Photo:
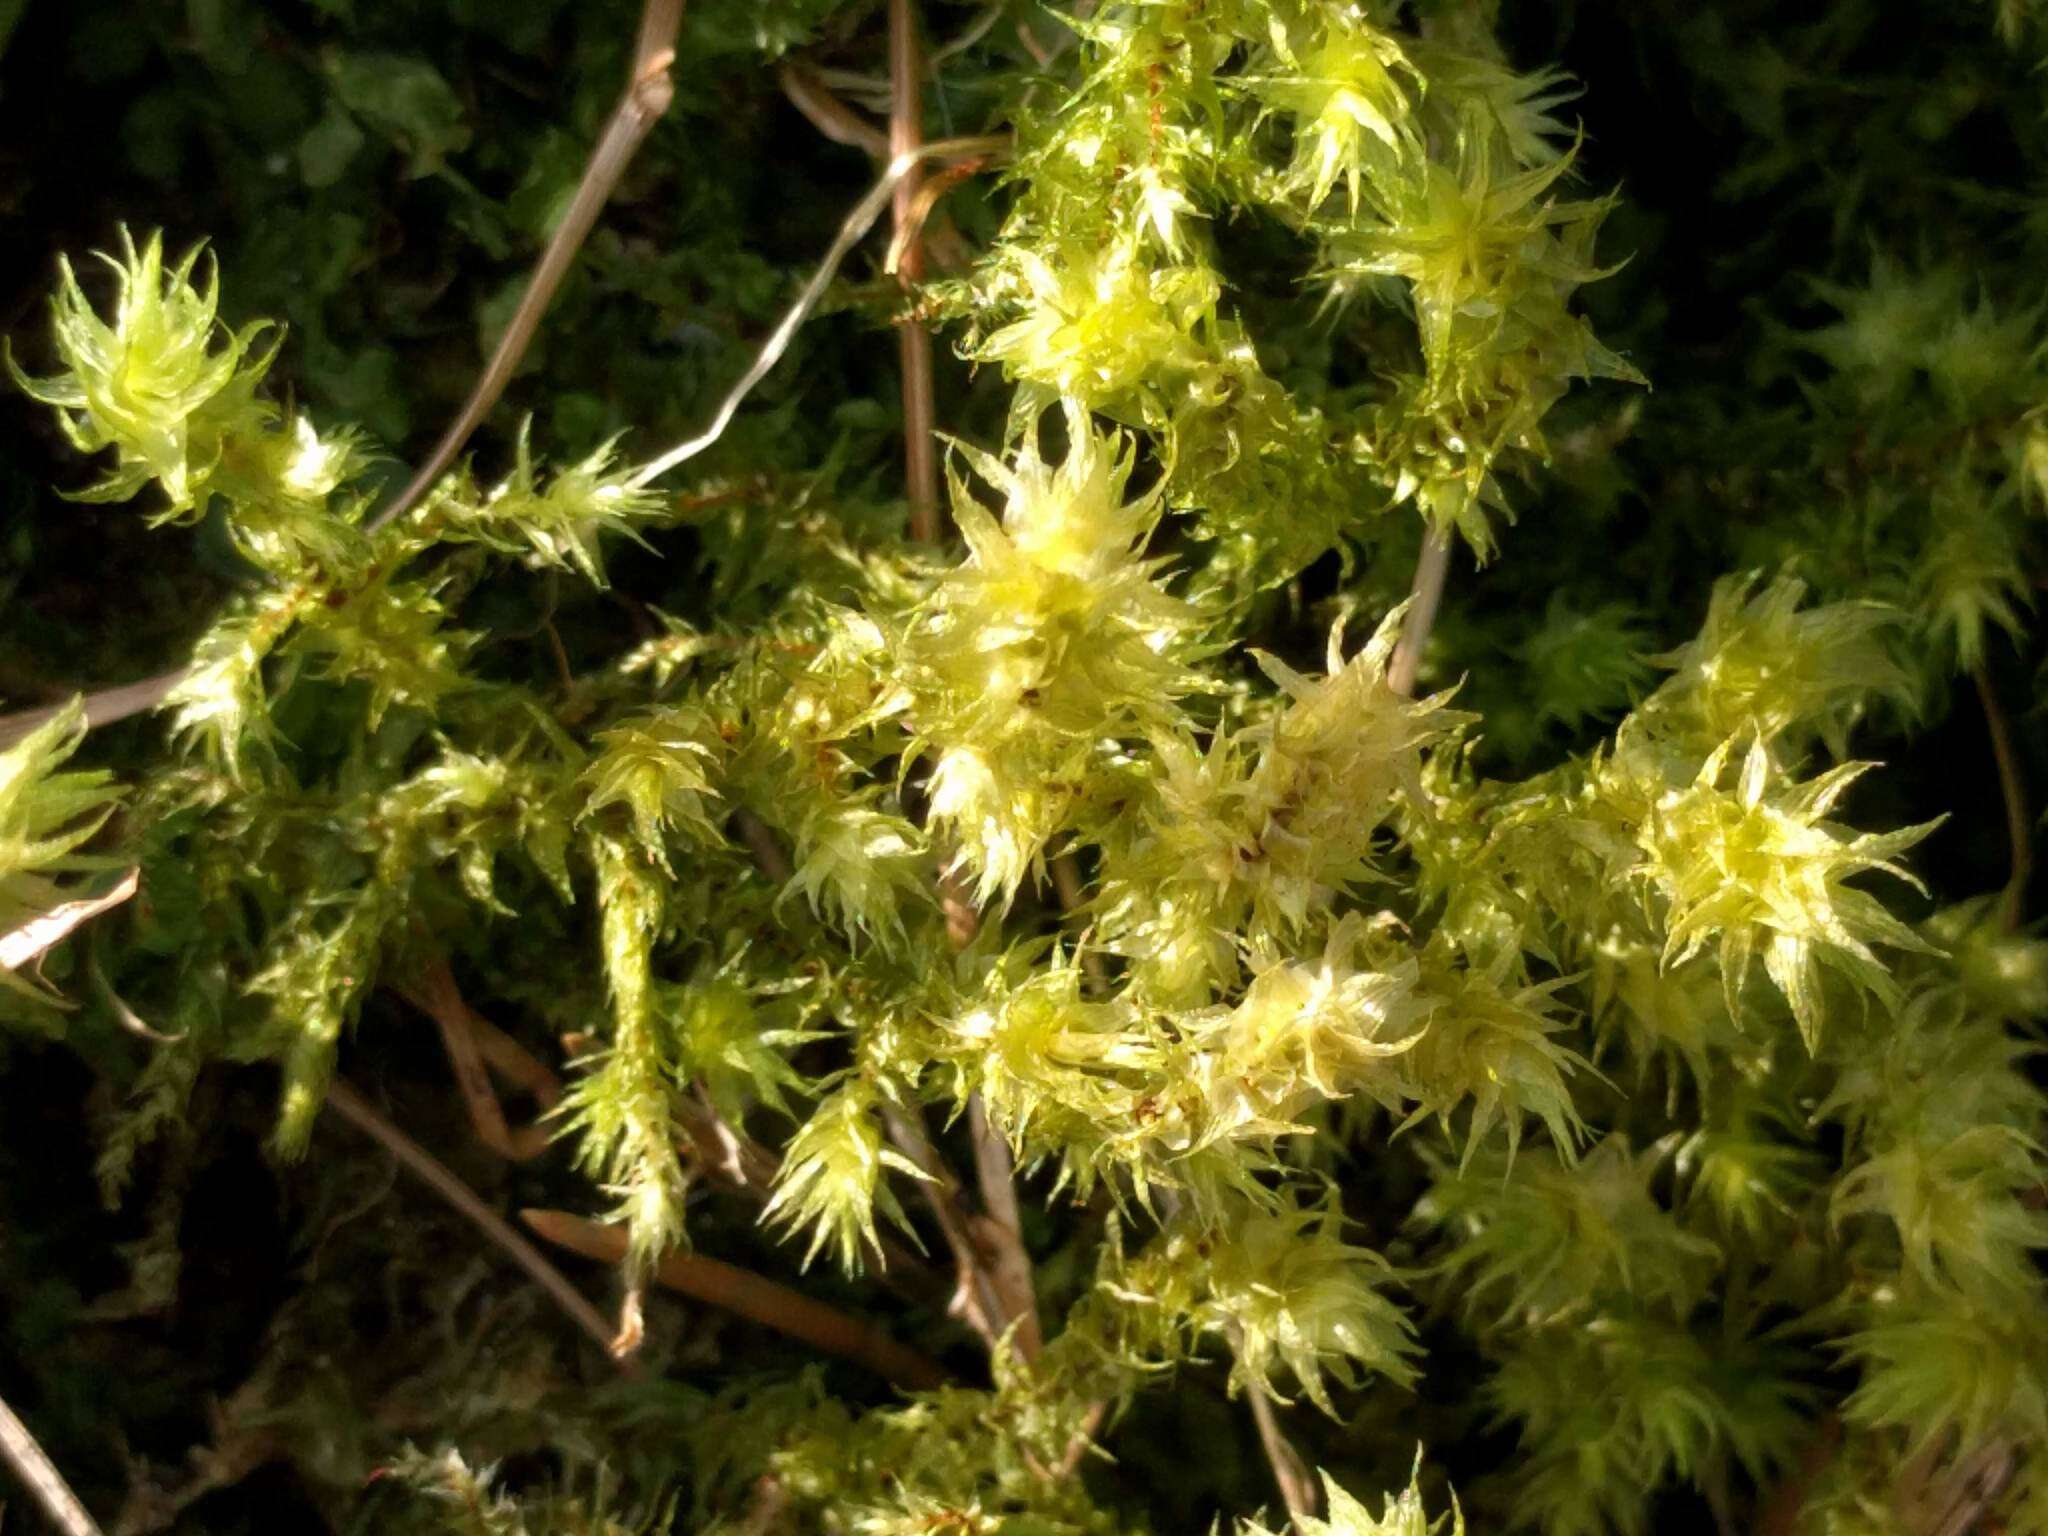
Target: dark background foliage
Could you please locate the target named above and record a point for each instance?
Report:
(379, 176)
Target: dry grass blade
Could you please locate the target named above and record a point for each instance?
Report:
(827, 113)
(1002, 1231)
(852, 230)
(40, 1476)
(34, 938)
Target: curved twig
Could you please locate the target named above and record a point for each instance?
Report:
(648, 93)
(827, 113)
(857, 223)
(40, 1476)
(976, 1300)
(111, 704)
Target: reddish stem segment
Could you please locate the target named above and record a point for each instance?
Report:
(914, 342)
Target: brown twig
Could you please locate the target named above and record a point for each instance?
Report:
(770, 857)
(649, 90)
(101, 708)
(840, 123)
(726, 1154)
(976, 1298)
(40, 1476)
(2019, 827)
(996, 1288)
(1425, 595)
(462, 1037)
(914, 342)
(431, 1171)
(1066, 884)
(754, 1297)
(1290, 1473)
(924, 226)
(1003, 1230)
(996, 1291)
(515, 1063)
(827, 113)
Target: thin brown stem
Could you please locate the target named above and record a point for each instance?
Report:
(827, 113)
(770, 857)
(754, 1297)
(995, 1270)
(351, 1106)
(101, 708)
(976, 1297)
(920, 445)
(40, 1476)
(462, 1039)
(1003, 1230)
(1290, 1473)
(914, 342)
(724, 1151)
(1066, 884)
(717, 1148)
(840, 123)
(515, 1063)
(925, 225)
(649, 90)
(2012, 784)
(1077, 1447)
(1425, 596)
